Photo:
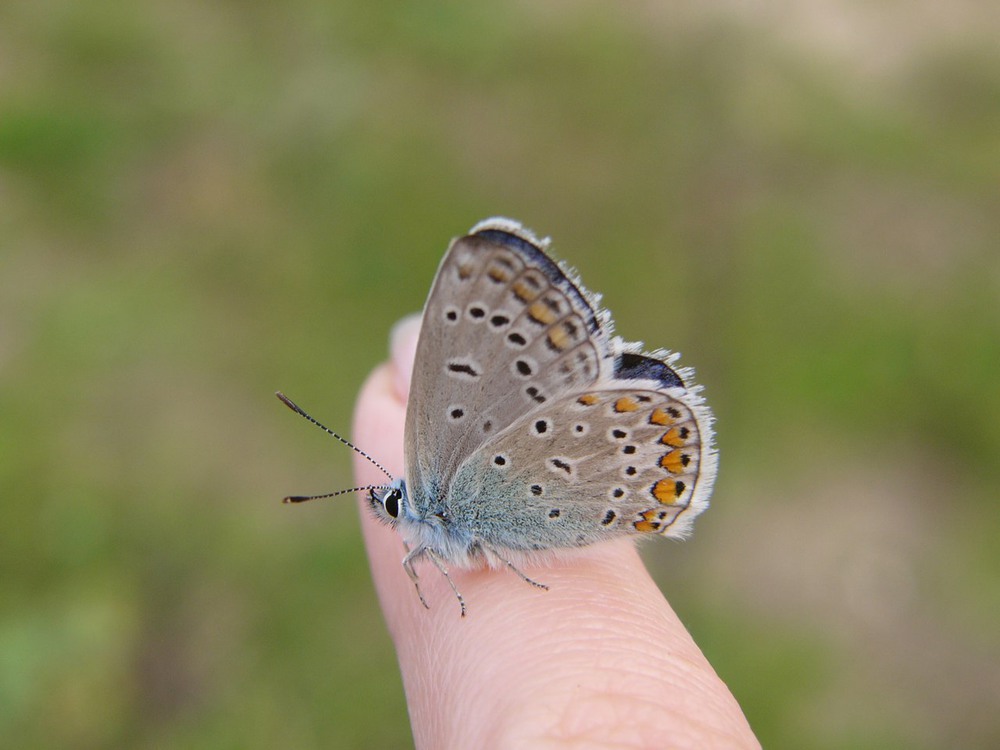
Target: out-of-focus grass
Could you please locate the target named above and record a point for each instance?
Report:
(200, 204)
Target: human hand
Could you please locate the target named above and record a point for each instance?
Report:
(598, 660)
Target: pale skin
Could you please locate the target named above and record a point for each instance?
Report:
(598, 660)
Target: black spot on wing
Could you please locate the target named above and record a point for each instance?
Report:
(462, 368)
(561, 465)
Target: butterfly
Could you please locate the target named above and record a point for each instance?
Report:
(532, 428)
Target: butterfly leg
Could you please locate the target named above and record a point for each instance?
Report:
(513, 567)
(444, 571)
(408, 567)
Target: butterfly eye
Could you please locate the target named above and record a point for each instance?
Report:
(391, 502)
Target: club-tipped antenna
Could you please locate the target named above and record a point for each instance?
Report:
(305, 498)
(298, 410)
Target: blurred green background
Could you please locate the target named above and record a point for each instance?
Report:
(200, 204)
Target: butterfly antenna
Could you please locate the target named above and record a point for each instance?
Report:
(298, 410)
(304, 498)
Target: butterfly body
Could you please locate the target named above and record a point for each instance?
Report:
(530, 427)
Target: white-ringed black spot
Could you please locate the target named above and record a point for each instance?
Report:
(609, 517)
(630, 471)
(456, 413)
(499, 321)
(524, 368)
(463, 368)
(451, 315)
(476, 312)
(536, 489)
(619, 434)
(628, 450)
(500, 460)
(554, 513)
(580, 429)
(541, 426)
(618, 493)
(517, 339)
(561, 465)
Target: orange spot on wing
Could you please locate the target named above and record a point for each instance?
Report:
(651, 522)
(498, 274)
(675, 437)
(558, 338)
(587, 399)
(522, 291)
(667, 491)
(542, 313)
(675, 461)
(660, 417)
(624, 404)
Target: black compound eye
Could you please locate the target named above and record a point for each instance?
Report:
(391, 502)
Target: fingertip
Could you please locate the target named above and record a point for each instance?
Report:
(403, 350)
(380, 412)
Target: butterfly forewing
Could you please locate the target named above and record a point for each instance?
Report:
(505, 332)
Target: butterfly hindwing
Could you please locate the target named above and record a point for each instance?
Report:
(592, 465)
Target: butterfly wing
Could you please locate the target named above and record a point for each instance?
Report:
(632, 457)
(505, 330)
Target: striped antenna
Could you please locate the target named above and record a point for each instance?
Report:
(303, 498)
